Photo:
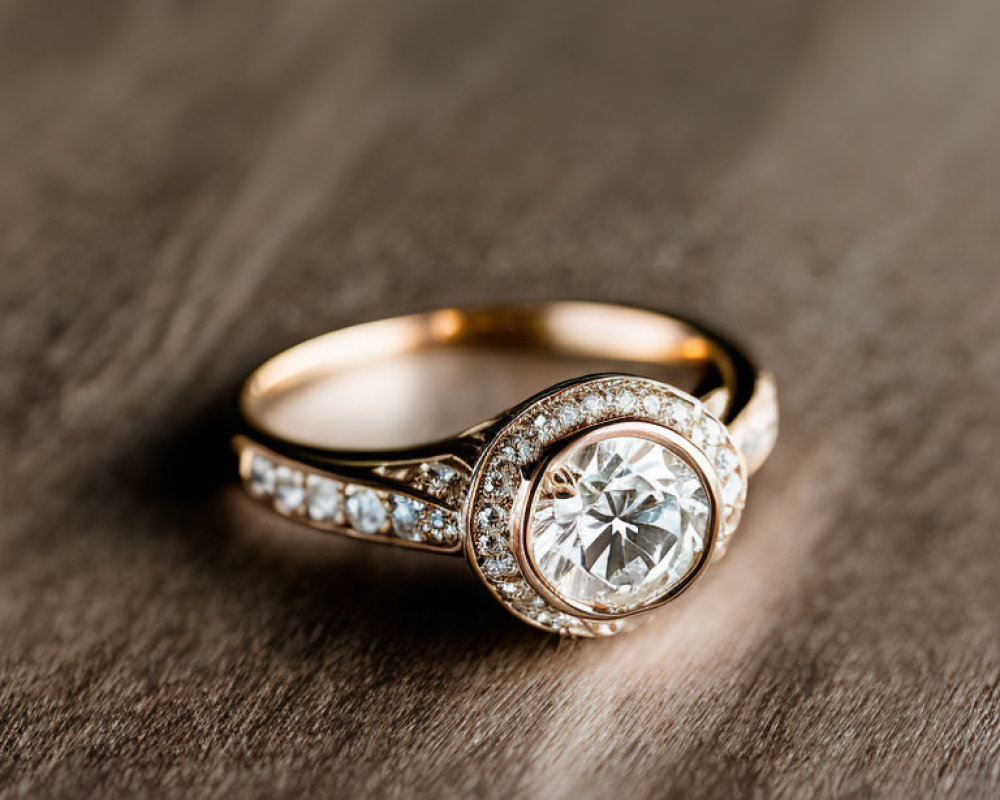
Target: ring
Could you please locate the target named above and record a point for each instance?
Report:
(599, 498)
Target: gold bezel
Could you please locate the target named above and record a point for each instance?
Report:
(525, 501)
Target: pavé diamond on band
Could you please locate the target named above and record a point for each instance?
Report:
(588, 491)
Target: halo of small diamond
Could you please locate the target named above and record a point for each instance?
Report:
(509, 460)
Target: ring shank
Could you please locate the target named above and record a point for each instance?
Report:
(437, 351)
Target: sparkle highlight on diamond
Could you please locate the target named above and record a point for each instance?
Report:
(618, 522)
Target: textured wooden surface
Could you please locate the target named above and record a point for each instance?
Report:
(187, 187)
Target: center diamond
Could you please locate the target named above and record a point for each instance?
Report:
(618, 522)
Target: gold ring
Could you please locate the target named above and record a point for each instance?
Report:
(599, 498)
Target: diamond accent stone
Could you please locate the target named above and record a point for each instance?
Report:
(261, 480)
(439, 527)
(405, 518)
(618, 522)
(289, 489)
(516, 590)
(545, 430)
(593, 404)
(491, 518)
(679, 413)
(438, 479)
(568, 414)
(707, 432)
(324, 499)
(502, 481)
(725, 461)
(365, 510)
(500, 566)
(520, 450)
(490, 544)
(625, 401)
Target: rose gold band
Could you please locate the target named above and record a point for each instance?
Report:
(283, 462)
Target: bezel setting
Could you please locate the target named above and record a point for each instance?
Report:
(523, 518)
(507, 475)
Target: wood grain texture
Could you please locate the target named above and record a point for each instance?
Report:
(187, 187)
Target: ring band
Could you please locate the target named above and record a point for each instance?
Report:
(597, 499)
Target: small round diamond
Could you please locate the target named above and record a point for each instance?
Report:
(707, 432)
(531, 605)
(365, 510)
(679, 414)
(625, 400)
(502, 481)
(544, 429)
(261, 481)
(569, 414)
(651, 404)
(725, 461)
(289, 489)
(405, 515)
(438, 527)
(543, 617)
(520, 450)
(490, 544)
(450, 532)
(594, 404)
(438, 478)
(499, 567)
(515, 590)
(491, 518)
(324, 498)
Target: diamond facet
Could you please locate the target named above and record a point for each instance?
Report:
(618, 522)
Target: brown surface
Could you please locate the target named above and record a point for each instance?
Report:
(821, 179)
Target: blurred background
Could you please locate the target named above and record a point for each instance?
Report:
(187, 188)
